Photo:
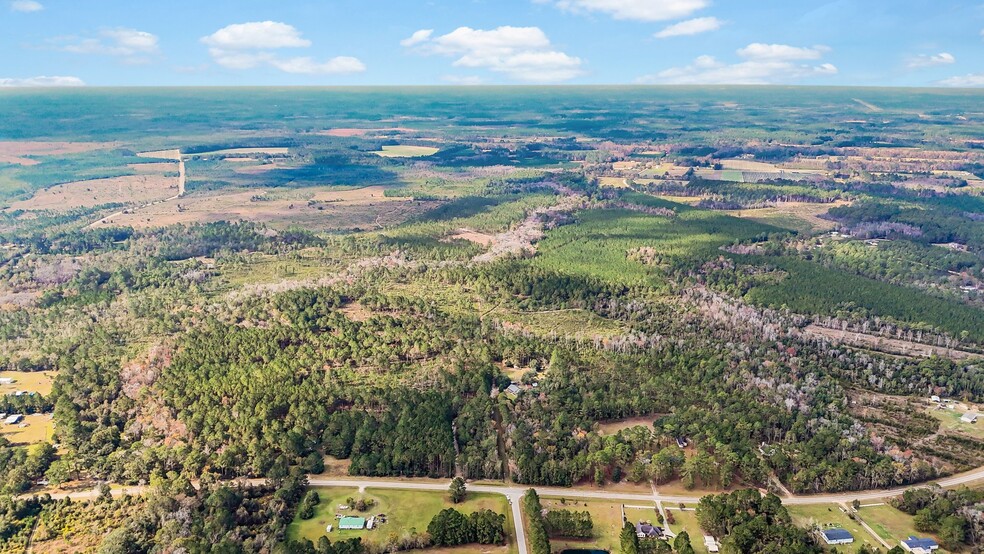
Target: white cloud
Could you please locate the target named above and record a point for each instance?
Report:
(638, 10)
(256, 35)
(690, 27)
(420, 36)
(26, 6)
(930, 60)
(763, 64)
(520, 53)
(43, 81)
(251, 45)
(781, 52)
(130, 44)
(964, 81)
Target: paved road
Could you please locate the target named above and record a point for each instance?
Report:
(515, 493)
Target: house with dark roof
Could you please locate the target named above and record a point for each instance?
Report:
(919, 546)
(648, 531)
(837, 536)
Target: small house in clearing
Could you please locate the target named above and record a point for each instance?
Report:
(13, 419)
(648, 531)
(7, 381)
(351, 523)
(711, 544)
(837, 536)
(969, 417)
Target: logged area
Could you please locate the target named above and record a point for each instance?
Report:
(266, 310)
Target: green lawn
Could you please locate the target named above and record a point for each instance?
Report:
(950, 420)
(891, 524)
(684, 520)
(406, 511)
(606, 517)
(830, 515)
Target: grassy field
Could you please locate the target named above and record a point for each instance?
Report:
(406, 151)
(30, 381)
(950, 421)
(830, 515)
(580, 324)
(891, 524)
(685, 520)
(606, 516)
(406, 511)
(32, 429)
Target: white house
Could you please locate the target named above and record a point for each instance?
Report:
(711, 544)
(969, 417)
(12, 419)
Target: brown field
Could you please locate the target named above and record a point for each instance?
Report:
(473, 236)
(612, 427)
(151, 168)
(352, 132)
(238, 152)
(173, 154)
(137, 189)
(800, 215)
(356, 311)
(315, 208)
(30, 381)
(33, 429)
(888, 345)
(13, 152)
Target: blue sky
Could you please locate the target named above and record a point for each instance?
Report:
(435, 42)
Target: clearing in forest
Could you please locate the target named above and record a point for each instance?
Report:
(28, 381)
(16, 152)
(130, 189)
(406, 151)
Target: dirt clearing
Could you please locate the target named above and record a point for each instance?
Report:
(888, 345)
(472, 236)
(134, 189)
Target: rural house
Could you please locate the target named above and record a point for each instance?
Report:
(919, 546)
(837, 536)
(969, 417)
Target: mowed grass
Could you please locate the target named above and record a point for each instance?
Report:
(827, 516)
(606, 517)
(406, 151)
(32, 429)
(30, 381)
(686, 520)
(950, 421)
(406, 511)
(891, 524)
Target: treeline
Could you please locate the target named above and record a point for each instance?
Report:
(537, 535)
(569, 524)
(746, 521)
(953, 515)
(452, 528)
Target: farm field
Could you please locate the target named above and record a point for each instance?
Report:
(950, 420)
(407, 151)
(128, 189)
(406, 512)
(30, 381)
(606, 517)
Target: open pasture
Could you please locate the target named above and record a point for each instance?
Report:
(22, 153)
(129, 189)
(32, 429)
(406, 151)
(29, 381)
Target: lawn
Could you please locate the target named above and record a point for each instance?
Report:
(406, 151)
(950, 421)
(32, 429)
(406, 511)
(891, 524)
(830, 515)
(606, 517)
(685, 520)
(30, 381)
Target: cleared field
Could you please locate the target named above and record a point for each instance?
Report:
(15, 152)
(406, 512)
(950, 421)
(406, 151)
(33, 429)
(606, 517)
(612, 427)
(888, 345)
(686, 520)
(825, 516)
(473, 236)
(580, 324)
(799, 216)
(136, 189)
(891, 524)
(270, 151)
(29, 381)
(315, 208)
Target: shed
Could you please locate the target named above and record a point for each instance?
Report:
(351, 523)
(837, 536)
(711, 544)
(969, 417)
(12, 419)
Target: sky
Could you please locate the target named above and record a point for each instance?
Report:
(493, 42)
